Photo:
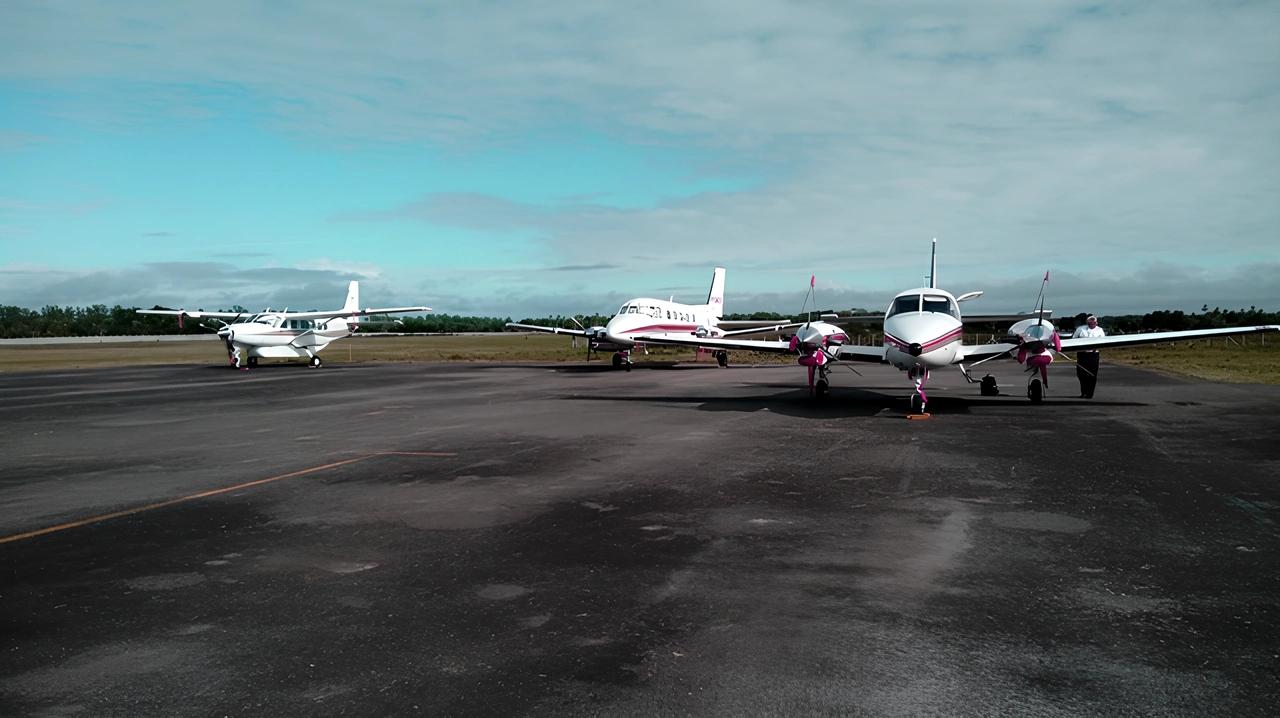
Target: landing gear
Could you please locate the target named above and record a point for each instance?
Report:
(988, 386)
(233, 355)
(253, 362)
(622, 360)
(722, 358)
(919, 400)
(917, 404)
(1035, 391)
(315, 362)
(821, 389)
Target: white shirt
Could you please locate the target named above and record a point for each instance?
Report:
(1084, 332)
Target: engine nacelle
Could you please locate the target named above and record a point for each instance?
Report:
(1034, 335)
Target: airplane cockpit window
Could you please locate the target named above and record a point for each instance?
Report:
(623, 310)
(908, 303)
(941, 305)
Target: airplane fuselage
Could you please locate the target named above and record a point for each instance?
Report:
(275, 336)
(643, 316)
(923, 330)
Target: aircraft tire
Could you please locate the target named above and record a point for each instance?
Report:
(617, 361)
(253, 362)
(821, 389)
(917, 404)
(722, 358)
(315, 362)
(988, 387)
(1035, 391)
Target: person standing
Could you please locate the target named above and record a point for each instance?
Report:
(1087, 361)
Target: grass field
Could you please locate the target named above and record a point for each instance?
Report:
(1249, 362)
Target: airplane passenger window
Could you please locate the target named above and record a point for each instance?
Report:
(910, 303)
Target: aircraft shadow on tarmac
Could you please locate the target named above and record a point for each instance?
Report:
(845, 403)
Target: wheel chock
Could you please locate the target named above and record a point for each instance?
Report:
(919, 417)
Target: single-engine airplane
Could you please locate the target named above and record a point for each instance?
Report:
(285, 334)
(923, 331)
(656, 318)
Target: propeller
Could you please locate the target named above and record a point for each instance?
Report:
(588, 334)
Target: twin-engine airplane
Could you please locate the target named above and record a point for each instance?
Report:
(286, 334)
(657, 318)
(923, 331)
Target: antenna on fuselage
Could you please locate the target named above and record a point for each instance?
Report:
(933, 265)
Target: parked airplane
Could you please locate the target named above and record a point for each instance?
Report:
(286, 334)
(656, 318)
(923, 330)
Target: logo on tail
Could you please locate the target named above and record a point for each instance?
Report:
(715, 298)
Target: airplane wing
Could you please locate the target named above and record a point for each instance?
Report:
(195, 314)
(765, 329)
(776, 346)
(1128, 340)
(853, 352)
(357, 313)
(547, 330)
(978, 352)
(967, 318)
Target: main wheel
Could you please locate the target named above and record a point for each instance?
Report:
(722, 358)
(253, 362)
(315, 362)
(1035, 391)
(988, 387)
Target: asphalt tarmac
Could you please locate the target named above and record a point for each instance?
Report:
(453, 539)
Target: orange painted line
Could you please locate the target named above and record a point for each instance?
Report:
(211, 492)
(179, 500)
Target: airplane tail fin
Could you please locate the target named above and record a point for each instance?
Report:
(933, 265)
(353, 298)
(352, 305)
(715, 298)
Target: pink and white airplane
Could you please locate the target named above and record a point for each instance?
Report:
(657, 318)
(286, 334)
(923, 331)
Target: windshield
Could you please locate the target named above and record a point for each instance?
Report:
(942, 305)
(907, 303)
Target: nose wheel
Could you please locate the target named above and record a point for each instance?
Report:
(919, 400)
(622, 360)
(1035, 391)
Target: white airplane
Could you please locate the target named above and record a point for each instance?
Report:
(923, 331)
(655, 318)
(286, 334)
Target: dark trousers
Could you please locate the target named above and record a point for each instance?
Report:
(1087, 372)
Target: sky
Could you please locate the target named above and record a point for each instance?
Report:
(527, 159)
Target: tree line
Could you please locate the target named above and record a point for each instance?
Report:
(100, 320)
